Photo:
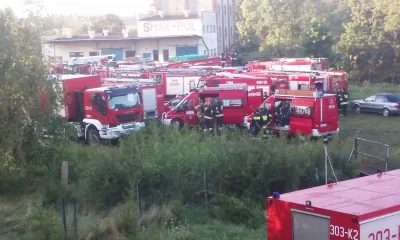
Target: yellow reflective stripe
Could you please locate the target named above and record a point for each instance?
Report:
(256, 118)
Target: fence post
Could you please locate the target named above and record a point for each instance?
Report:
(138, 200)
(355, 148)
(64, 181)
(205, 188)
(387, 157)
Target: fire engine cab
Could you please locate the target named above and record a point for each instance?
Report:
(365, 208)
(304, 112)
(237, 102)
(100, 112)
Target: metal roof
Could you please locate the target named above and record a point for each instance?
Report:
(366, 197)
(86, 38)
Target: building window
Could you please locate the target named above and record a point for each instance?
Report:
(215, 52)
(214, 28)
(146, 56)
(225, 10)
(208, 28)
(230, 9)
(76, 54)
(205, 52)
(130, 53)
(155, 55)
(219, 10)
(226, 32)
(231, 31)
(92, 54)
(165, 54)
(204, 28)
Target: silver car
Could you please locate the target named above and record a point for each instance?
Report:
(383, 103)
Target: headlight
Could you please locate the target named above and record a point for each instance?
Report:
(115, 133)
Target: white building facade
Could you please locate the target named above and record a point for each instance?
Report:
(225, 12)
(160, 37)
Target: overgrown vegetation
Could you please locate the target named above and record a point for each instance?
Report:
(360, 36)
(189, 186)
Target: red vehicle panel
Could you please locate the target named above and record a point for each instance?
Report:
(366, 208)
(237, 100)
(310, 113)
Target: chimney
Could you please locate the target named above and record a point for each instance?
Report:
(161, 14)
(92, 33)
(186, 12)
(126, 33)
(105, 32)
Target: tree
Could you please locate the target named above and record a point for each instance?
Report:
(109, 22)
(23, 77)
(316, 40)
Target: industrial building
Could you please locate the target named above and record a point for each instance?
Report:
(173, 28)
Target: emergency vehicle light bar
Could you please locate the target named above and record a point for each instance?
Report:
(227, 87)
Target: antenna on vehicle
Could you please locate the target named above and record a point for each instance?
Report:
(327, 159)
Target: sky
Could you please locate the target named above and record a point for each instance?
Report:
(83, 7)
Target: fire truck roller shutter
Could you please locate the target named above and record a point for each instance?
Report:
(310, 226)
(187, 50)
(150, 102)
(118, 52)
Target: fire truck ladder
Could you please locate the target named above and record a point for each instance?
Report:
(236, 75)
(242, 86)
(299, 59)
(138, 82)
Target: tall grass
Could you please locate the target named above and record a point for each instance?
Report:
(225, 177)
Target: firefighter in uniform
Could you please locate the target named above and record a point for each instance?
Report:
(219, 114)
(266, 117)
(200, 114)
(208, 116)
(256, 122)
(345, 102)
(338, 102)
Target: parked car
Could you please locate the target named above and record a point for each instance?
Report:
(383, 103)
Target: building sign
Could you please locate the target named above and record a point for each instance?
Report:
(169, 28)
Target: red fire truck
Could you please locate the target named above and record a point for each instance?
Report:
(365, 208)
(291, 64)
(152, 95)
(172, 81)
(328, 81)
(310, 113)
(173, 102)
(237, 102)
(100, 112)
(267, 86)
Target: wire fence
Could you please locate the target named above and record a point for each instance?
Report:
(371, 155)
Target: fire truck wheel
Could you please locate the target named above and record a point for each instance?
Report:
(357, 109)
(176, 123)
(386, 112)
(93, 136)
